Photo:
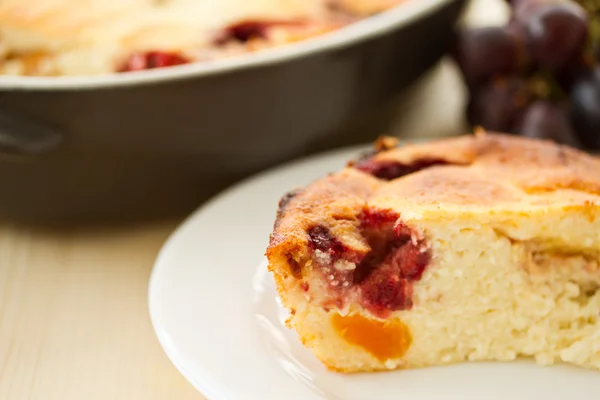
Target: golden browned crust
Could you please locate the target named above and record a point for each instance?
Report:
(488, 170)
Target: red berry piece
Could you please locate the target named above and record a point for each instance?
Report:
(151, 60)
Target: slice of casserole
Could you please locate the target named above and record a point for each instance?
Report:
(481, 247)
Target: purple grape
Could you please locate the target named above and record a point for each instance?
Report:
(556, 33)
(498, 105)
(482, 53)
(547, 120)
(585, 109)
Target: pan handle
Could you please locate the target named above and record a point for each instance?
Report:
(23, 137)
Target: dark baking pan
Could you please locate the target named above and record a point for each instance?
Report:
(159, 142)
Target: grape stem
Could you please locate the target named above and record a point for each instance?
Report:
(543, 85)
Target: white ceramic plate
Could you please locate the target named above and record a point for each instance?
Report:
(216, 314)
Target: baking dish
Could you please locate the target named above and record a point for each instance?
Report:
(156, 143)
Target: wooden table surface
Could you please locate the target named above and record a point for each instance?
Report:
(74, 321)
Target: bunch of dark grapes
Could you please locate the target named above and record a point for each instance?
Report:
(538, 75)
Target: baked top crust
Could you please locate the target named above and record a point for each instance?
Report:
(70, 37)
(487, 174)
(489, 170)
